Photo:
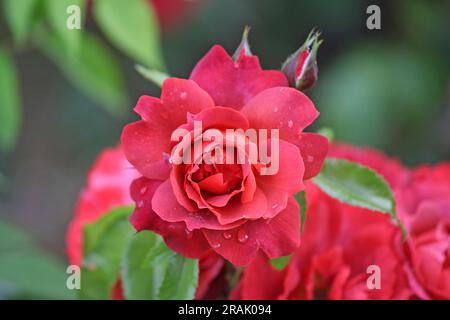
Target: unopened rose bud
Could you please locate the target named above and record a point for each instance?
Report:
(244, 48)
(301, 67)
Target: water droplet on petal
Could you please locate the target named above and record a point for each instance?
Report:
(227, 235)
(143, 190)
(280, 124)
(242, 236)
(275, 205)
(216, 245)
(310, 158)
(140, 203)
(290, 123)
(183, 95)
(275, 109)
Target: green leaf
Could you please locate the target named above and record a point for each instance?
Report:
(58, 16)
(19, 16)
(104, 244)
(94, 71)
(301, 200)
(280, 263)
(26, 271)
(150, 270)
(131, 26)
(356, 185)
(10, 113)
(154, 76)
(181, 279)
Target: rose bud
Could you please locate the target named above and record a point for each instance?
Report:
(244, 47)
(301, 67)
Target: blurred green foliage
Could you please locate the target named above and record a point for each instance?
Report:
(26, 271)
(9, 102)
(82, 57)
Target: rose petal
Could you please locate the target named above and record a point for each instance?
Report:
(281, 108)
(233, 84)
(236, 210)
(219, 118)
(257, 289)
(178, 183)
(144, 148)
(313, 148)
(146, 142)
(166, 206)
(178, 97)
(211, 264)
(214, 184)
(288, 179)
(226, 243)
(279, 236)
(191, 244)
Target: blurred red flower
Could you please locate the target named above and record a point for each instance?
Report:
(107, 187)
(232, 208)
(338, 245)
(424, 205)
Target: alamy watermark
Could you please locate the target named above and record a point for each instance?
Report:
(373, 21)
(374, 280)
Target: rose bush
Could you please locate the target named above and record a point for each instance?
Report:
(231, 208)
(107, 187)
(338, 244)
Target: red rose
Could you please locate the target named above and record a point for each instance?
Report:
(108, 185)
(232, 208)
(339, 244)
(424, 205)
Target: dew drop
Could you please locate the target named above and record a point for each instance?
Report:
(310, 159)
(140, 203)
(242, 236)
(275, 109)
(183, 95)
(227, 235)
(290, 123)
(216, 245)
(280, 124)
(143, 190)
(275, 205)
